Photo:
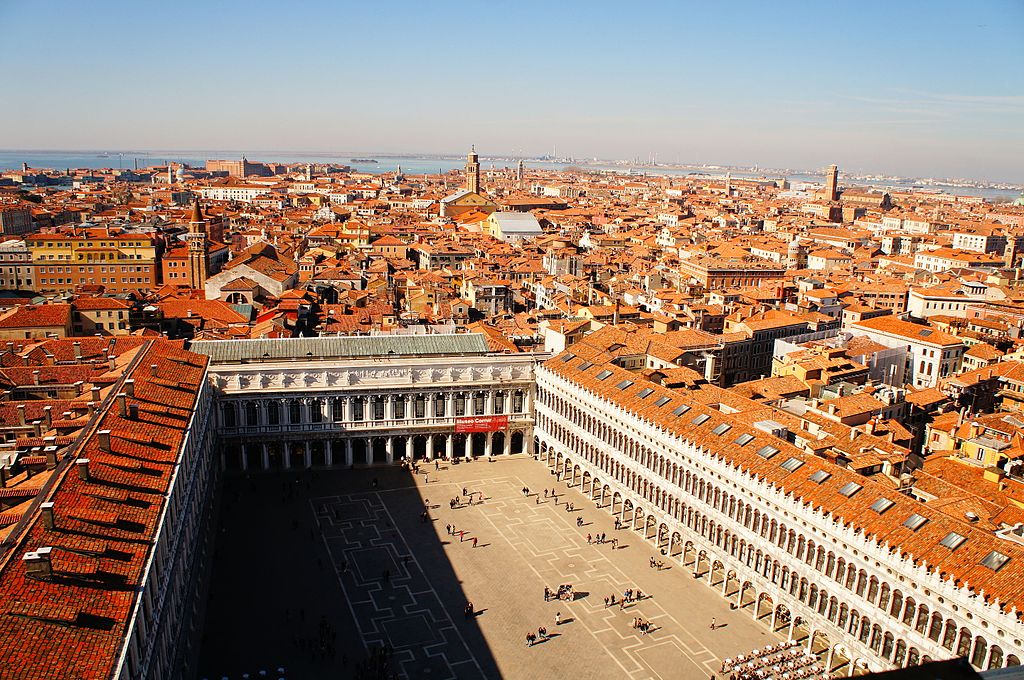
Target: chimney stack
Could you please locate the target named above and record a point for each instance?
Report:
(104, 440)
(37, 563)
(92, 407)
(21, 414)
(79, 386)
(35, 377)
(95, 391)
(37, 427)
(51, 457)
(112, 361)
(48, 519)
(76, 346)
(48, 416)
(154, 370)
(129, 387)
(4, 475)
(122, 405)
(83, 469)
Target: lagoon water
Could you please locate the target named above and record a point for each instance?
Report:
(411, 165)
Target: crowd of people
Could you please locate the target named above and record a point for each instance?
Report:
(784, 661)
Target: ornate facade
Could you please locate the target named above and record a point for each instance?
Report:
(369, 400)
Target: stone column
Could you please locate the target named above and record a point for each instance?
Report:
(308, 454)
(265, 452)
(389, 408)
(408, 446)
(369, 450)
(489, 403)
(245, 459)
(348, 452)
(329, 451)
(449, 406)
(287, 455)
(507, 444)
(389, 444)
(449, 445)
(430, 447)
(489, 446)
(469, 445)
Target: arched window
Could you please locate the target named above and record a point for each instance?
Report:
(294, 412)
(252, 414)
(273, 413)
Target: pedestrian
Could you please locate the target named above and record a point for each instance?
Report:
(474, 541)
(713, 623)
(613, 599)
(547, 594)
(426, 478)
(540, 632)
(529, 639)
(437, 466)
(448, 529)
(639, 595)
(558, 618)
(527, 491)
(606, 602)
(462, 536)
(464, 492)
(588, 539)
(545, 493)
(622, 604)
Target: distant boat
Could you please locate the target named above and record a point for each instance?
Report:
(103, 155)
(361, 160)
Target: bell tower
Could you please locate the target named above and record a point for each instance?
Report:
(197, 248)
(473, 171)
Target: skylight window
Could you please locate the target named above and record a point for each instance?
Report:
(915, 522)
(662, 401)
(850, 488)
(820, 477)
(744, 439)
(624, 384)
(680, 410)
(700, 419)
(953, 540)
(995, 560)
(568, 357)
(585, 365)
(882, 504)
(791, 464)
(603, 375)
(767, 451)
(645, 392)
(722, 429)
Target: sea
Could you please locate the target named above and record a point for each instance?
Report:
(419, 165)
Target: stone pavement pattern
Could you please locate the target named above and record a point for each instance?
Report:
(524, 543)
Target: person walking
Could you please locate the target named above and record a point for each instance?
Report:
(547, 594)
(474, 541)
(437, 465)
(558, 618)
(606, 602)
(448, 528)
(713, 624)
(588, 539)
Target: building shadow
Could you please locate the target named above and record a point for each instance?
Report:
(323, 574)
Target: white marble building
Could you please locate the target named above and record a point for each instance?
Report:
(339, 401)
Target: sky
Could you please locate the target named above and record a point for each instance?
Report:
(926, 89)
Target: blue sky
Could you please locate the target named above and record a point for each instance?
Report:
(920, 88)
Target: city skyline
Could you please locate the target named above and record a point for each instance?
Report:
(923, 94)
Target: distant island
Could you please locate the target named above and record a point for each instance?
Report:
(361, 160)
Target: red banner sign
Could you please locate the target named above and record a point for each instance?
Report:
(481, 424)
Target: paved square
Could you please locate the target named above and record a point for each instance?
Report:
(378, 574)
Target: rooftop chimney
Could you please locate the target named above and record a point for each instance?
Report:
(4, 475)
(154, 370)
(122, 404)
(95, 391)
(51, 457)
(113, 361)
(21, 414)
(35, 377)
(79, 386)
(104, 440)
(48, 416)
(129, 387)
(76, 347)
(82, 464)
(37, 563)
(48, 519)
(37, 427)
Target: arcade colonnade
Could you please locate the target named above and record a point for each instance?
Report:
(856, 607)
(285, 431)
